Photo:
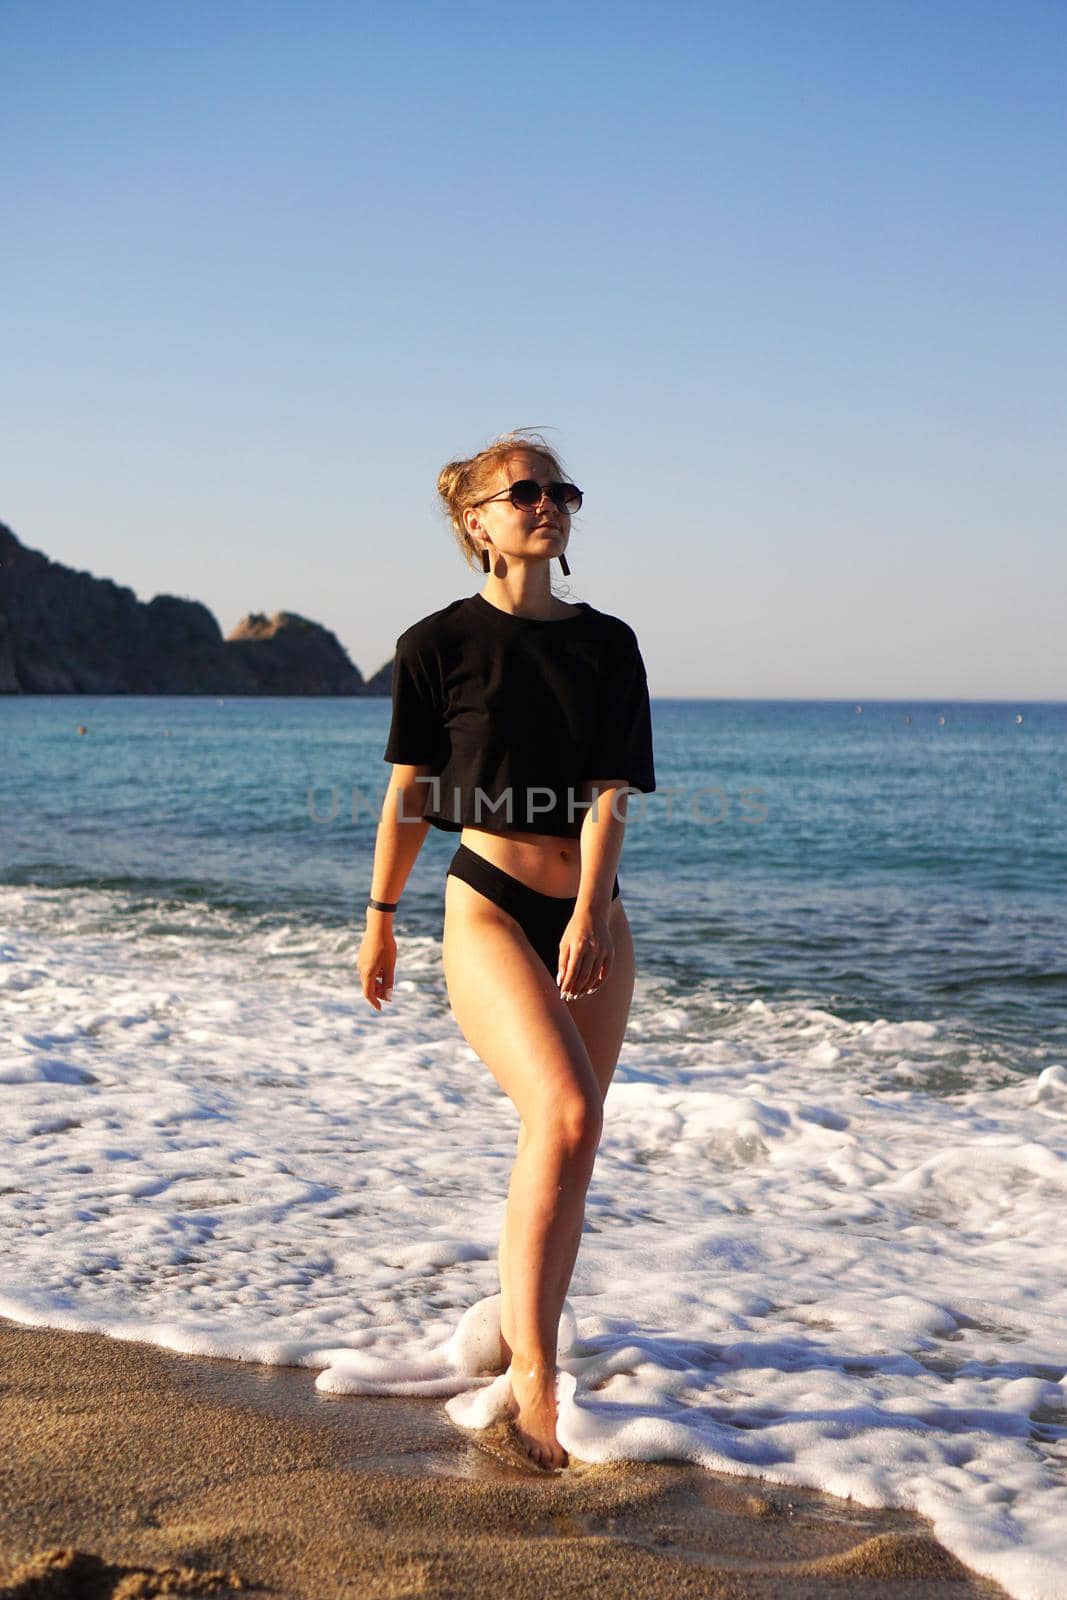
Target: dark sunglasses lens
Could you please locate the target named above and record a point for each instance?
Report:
(525, 494)
(567, 496)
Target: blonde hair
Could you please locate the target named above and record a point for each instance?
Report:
(461, 483)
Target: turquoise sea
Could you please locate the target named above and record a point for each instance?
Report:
(903, 859)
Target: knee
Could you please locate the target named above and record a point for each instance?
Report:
(575, 1125)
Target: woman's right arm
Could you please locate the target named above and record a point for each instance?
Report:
(401, 830)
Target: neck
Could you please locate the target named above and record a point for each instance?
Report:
(523, 589)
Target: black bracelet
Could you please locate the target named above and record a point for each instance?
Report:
(382, 905)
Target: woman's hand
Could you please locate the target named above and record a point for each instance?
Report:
(586, 951)
(376, 962)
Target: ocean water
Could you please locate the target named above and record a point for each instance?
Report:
(821, 1234)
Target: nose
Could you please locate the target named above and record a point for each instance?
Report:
(546, 502)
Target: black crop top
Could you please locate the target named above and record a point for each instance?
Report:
(513, 713)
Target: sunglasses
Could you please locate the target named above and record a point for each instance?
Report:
(526, 495)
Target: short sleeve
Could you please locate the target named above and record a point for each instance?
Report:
(621, 743)
(417, 734)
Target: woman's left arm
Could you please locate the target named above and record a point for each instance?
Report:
(586, 948)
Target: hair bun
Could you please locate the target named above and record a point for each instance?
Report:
(448, 478)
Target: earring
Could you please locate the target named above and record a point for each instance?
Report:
(563, 564)
(487, 565)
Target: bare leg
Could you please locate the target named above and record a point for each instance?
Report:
(507, 1326)
(546, 1203)
(568, 1257)
(528, 1037)
(601, 1018)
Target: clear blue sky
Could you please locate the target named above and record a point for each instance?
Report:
(786, 277)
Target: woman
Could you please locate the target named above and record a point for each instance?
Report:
(513, 712)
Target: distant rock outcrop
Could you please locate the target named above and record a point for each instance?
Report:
(286, 649)
(382, 681)
(66, 632)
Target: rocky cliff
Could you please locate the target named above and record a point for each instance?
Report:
(66, 632)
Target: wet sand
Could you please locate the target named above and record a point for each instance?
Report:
(128, 1471)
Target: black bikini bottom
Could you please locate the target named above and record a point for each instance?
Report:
(542, 917)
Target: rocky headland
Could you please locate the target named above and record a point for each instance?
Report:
(66, 632)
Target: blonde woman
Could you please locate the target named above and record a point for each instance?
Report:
(520, 721)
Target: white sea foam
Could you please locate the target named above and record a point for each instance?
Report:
(799, 1262)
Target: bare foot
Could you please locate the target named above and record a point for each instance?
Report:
(533, 1385)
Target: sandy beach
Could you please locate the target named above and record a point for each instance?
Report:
(130, 1471)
